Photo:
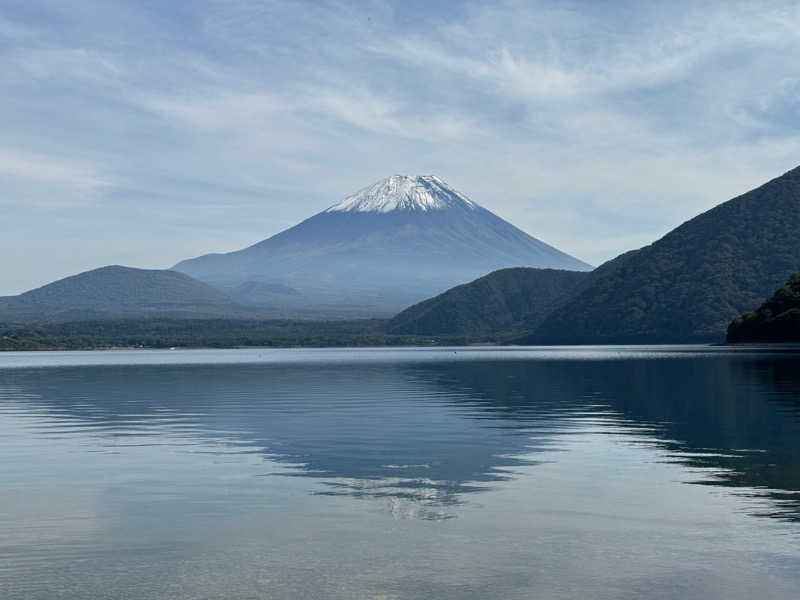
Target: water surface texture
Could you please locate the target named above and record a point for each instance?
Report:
(665, 472)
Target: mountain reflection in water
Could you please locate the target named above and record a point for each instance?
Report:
(427, 435)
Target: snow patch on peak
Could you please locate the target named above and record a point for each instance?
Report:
(405, 193)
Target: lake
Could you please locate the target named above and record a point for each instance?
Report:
(594, 472)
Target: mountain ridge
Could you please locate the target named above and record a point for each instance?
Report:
(500, 304)
(689, 284)
(505, 305)
(684, 287)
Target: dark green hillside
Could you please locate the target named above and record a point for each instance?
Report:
(205, 333)
(688, 285)
(777, 320)
(117, 290)
(502, 302)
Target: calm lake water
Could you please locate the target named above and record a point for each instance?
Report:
(666, 472)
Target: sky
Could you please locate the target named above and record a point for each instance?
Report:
(143, 133)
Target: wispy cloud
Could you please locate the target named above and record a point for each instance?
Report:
(371, 112)
(219, 112)
(72, 175)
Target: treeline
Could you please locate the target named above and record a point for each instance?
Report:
(208, 333)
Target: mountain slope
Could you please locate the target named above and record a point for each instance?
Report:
(498, 305)
(688, 285)
(777, 320)
(116, 291)
(506, 301)
(394, 243)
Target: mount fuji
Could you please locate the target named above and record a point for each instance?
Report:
(394, 243)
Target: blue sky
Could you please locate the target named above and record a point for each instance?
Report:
(143, 133)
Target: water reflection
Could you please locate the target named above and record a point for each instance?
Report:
(424, 436)
(734, 420)
(372, 431)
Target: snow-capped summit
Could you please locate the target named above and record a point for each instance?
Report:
(405, 193)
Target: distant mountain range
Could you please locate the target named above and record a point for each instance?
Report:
(685, 287)
(117, 291)
(389, 245)
(391, 242)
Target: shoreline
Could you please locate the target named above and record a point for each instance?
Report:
(789, 347)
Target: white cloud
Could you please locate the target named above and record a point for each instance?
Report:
(218, 112)
(78, 176)
(374, 113)
(546, 55)
(29, 65)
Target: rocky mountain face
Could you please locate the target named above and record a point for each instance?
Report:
(392, 244)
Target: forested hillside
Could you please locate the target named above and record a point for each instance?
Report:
(777, 320)
(688, 285)
(509, 301)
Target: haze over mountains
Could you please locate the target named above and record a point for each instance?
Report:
(394, 243)
(117, 291)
